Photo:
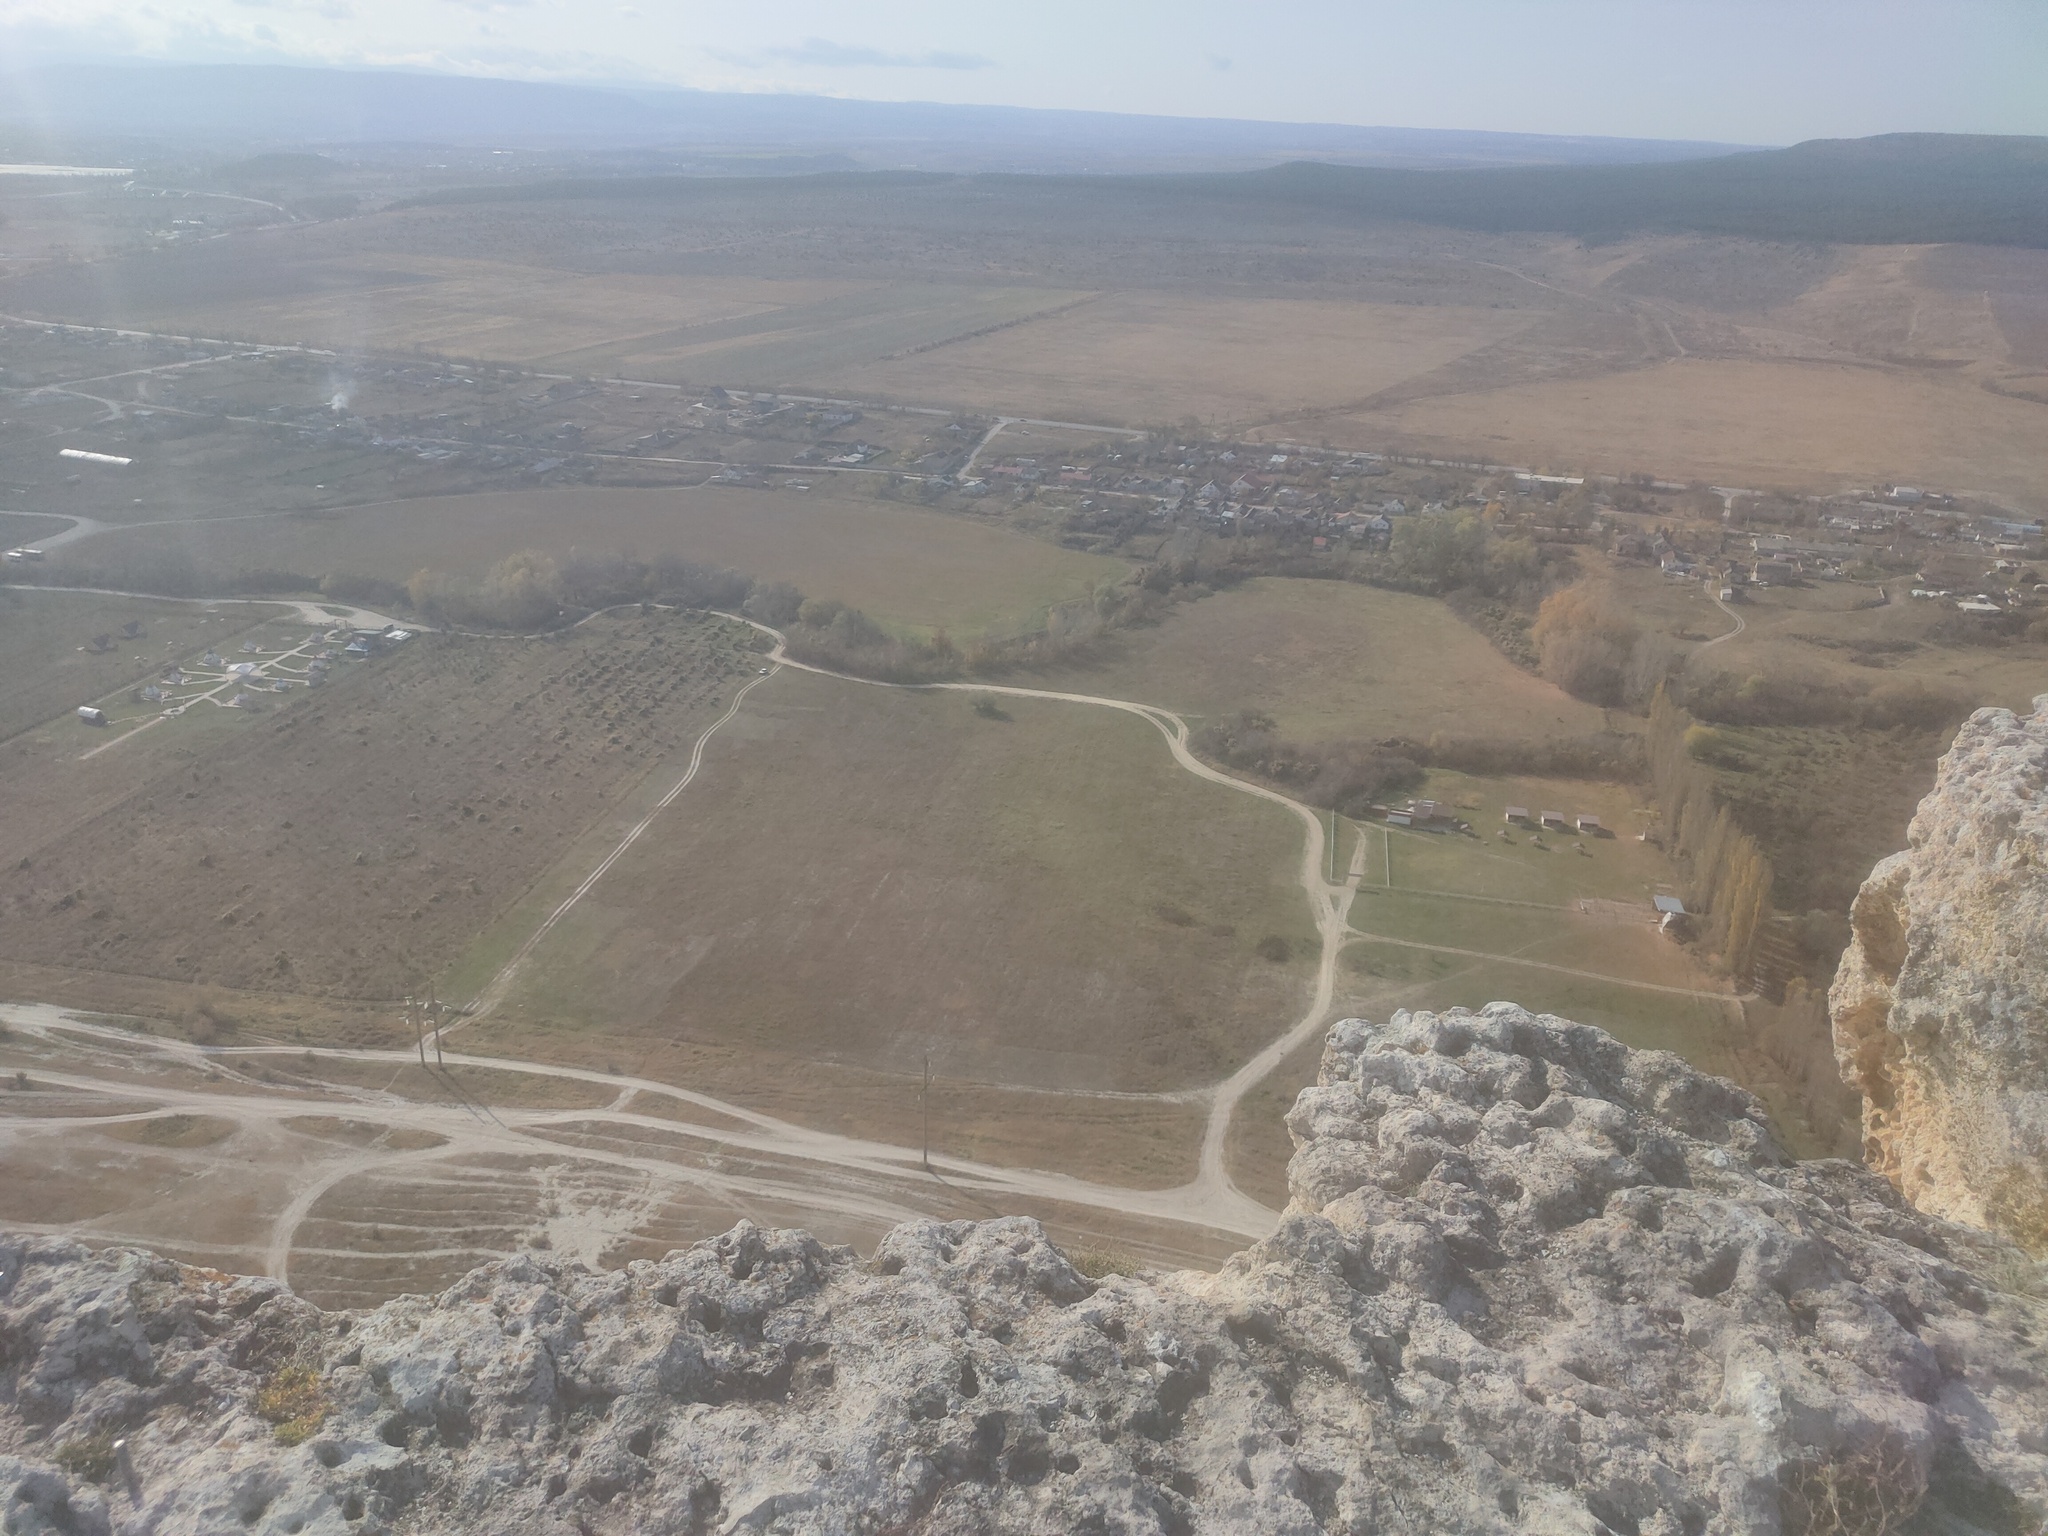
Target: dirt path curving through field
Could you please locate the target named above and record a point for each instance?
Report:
(1211, 1198)
(1740, 622)
(501, 984)
(785, 1163)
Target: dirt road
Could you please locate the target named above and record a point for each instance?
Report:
(780, 1166)
(787, 1166)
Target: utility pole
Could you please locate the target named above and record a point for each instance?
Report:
(1333, 845)
(412, 1017)
(924, 1110)
(434, 1013)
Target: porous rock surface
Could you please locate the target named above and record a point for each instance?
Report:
(1531, 1280)
(1940, 1006)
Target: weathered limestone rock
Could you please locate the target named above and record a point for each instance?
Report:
(1941, 1005)
(1531, 1281)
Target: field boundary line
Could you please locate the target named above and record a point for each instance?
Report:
(495, 991)
(1547, 965)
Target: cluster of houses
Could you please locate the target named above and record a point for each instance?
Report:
(1956, 554)
(1229, 491)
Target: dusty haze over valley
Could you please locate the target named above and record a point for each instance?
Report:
(1269, 759)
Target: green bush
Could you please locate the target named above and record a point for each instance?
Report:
(90, 1457)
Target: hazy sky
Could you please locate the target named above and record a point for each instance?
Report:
(1748, 71)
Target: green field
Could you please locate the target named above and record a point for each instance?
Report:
(1470, 920)
(909, 568)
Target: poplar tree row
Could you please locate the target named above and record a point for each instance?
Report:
(1727, 876)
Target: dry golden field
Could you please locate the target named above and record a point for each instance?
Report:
(1139, 357)
(1729, 360)
(1766, 424)
(1328, 661)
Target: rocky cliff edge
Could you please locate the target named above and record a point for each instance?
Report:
(1531, 1280)
(1941, 1003)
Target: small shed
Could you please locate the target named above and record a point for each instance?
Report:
(1553, 819)
(1589, 825)
(92, 716)
(1516, 813)
(1668, 906)
(1400, 819)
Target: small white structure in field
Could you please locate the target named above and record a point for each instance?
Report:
(94, 458)
(1588, 824)
(92, 716)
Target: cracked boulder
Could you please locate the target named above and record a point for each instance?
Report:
(1941, 1003)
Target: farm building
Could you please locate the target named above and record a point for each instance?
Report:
(1517, 813)
(1554, 819)
(92, 716)
(1588, 824)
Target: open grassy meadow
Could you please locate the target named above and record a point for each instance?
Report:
(1149, 356)
(1449, 921)
(1794, 424)
(864, 875)
(907, 567)
(1329, 661)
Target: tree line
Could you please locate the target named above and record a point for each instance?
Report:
(1727, 875)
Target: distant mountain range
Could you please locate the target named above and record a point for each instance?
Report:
(1899, 189)
(252, 107)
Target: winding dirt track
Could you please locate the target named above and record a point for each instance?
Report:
(1210, 1199)
(785, 1162)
